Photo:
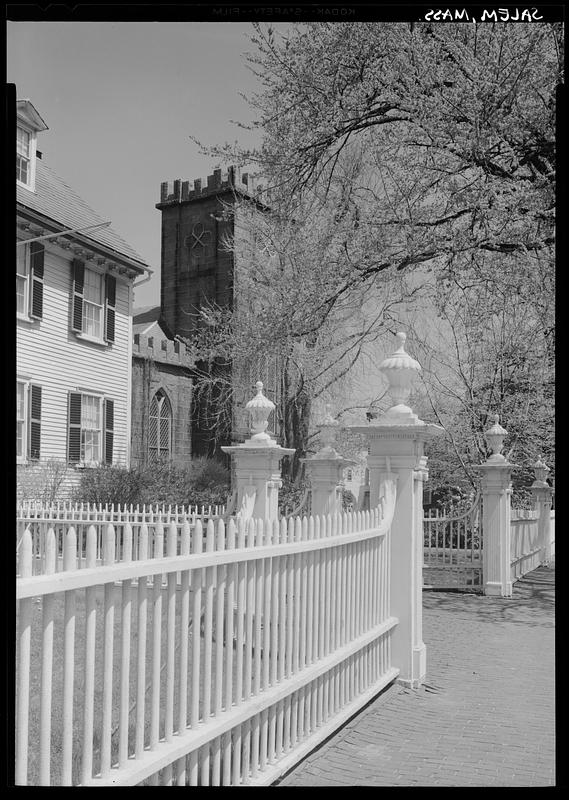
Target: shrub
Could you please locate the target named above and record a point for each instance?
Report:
(203, 482)
(42, 481)
(290, 497)
(108, 484)
(348, 501)
(207, 473)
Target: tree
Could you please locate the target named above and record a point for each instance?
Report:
(397, 156)
(277, 319)
(490, 351)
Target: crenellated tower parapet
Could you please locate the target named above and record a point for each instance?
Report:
(232, 180)
(164, 351)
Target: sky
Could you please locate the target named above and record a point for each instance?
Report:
(121, 99)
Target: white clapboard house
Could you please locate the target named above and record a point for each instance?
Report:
(74, 298)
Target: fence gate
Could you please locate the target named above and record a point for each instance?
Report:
(452, 547)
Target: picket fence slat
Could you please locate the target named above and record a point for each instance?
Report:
(69, 561)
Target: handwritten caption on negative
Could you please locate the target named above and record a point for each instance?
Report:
(486, 15)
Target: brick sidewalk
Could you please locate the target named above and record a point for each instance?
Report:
(486, 714)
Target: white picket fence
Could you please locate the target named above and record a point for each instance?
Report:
(221, 661)
(525, 547)
(109, 512)
(40, 518)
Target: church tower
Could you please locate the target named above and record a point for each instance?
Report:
(196, 263)
(199, 266)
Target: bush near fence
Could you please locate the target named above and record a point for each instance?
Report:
(204, 481)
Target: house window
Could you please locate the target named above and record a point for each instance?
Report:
(90, 438)
(29, 279)
(28, 421)
(90, 429)
(22, 276)
(349, 475)
(93, 304)
(160, 428)
(23, 157)
(20, 420)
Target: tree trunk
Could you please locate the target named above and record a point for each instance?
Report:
(297, 406)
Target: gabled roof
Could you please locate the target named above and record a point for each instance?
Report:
(56, 201)
(147, 321)
(29, 113)
(143, 319)
(150, 329)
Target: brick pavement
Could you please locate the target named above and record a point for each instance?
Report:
(486, 714)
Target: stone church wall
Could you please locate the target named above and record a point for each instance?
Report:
(161, 364)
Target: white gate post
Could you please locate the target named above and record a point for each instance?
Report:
(542, 493)
(396, 442)
(325, 470)
(257, 464)
(496, 492)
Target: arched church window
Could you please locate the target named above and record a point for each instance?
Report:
(160, 428)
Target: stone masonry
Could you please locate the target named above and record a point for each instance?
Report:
(161, 364)
(201, 265)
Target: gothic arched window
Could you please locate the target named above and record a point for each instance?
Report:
(160, 428)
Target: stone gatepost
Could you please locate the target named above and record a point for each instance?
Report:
(396, 441)
(257, 464)
(496, 493)
(542, 494)
(325, 470)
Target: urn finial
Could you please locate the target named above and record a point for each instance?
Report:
(328, 428)
(540, 469)
(259, 408)
(495, 436)
(400, 369)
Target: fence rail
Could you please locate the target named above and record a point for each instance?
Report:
(218, 658)
(526, 550)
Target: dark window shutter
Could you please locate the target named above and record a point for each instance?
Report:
(35, 422)
(37, 252)
(78, 283)
(110, 305)
(74, 437)
(109, 426)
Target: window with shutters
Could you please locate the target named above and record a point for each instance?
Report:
(23, 156)
(28, 421)
(160, 428)
(90, 438)
(91, 433)
(93, 304)
(29, 279)
(21, 396)
(22, 279)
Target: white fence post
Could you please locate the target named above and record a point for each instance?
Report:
(496, 516)
(257, 461)
(396, 442)
(325, 470)
(542, 493)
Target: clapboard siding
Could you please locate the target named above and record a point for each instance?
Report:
(50, 354)
(34, 481)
